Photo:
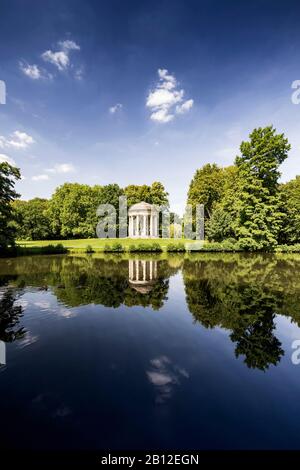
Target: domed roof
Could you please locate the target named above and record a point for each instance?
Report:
(142, 206)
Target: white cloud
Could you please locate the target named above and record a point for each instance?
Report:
(6, 159)
(184, 107)
(167, 81)
(162, 115)
(17, 140)
(69, 45)
(114, 109)
(62, 168)
(31, 71)
(42, 177)
(166, 100)
(61, 58)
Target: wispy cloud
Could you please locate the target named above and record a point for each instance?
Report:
(165, 375)
(166, 99)
(62, 168)
(61, 57)
(116, 108)
(42, 177)
(79, 73)
(17, 140)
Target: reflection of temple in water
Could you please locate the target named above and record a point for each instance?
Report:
(142, 275)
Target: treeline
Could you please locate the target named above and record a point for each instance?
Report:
(245, 202)
(71, 211)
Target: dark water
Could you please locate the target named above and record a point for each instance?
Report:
(195, 355)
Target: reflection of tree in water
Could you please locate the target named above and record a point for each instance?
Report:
(85, 280)
(256, 341)
(242, 296)
(10, 315)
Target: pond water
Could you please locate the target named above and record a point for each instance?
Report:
(167, 352)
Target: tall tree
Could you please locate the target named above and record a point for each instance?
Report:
(291, 207)
(8, 177)
(259, 217)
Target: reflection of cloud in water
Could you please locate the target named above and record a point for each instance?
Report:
(21, 303)
(44, 305)
(50, 403)
(47, 306)
(28, 340)
(165, 376)
(65, 313)
(62, 412)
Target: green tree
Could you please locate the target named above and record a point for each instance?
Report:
(206, 187)
(154, 194)
(219, 226)
(72, 208)
(32, 222)
(8, 177)
(291, 207)
(259, 218)
(72, 211)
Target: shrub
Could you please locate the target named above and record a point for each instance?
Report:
(227, 245)
(54, 249)
(35, 250)
(114, 248)
(288, 248)
(132, 248)
(175, 247)
(89, 249)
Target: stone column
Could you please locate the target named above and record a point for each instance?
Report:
(144, 225)
(137, 226)
(151, 225)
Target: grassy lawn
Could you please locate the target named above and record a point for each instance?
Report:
(98, 243)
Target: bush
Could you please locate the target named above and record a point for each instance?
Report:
(227, 245)
(54, 249)
(114, 248)
(16, 250)
(89, 249)
(288, 248)
(132, 248)
(175, 247)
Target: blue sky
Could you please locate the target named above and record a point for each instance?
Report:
(132, 92)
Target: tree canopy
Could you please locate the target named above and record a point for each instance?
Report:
(154, 194)
(8, 177)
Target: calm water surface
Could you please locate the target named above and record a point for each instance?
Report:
(176, 352)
